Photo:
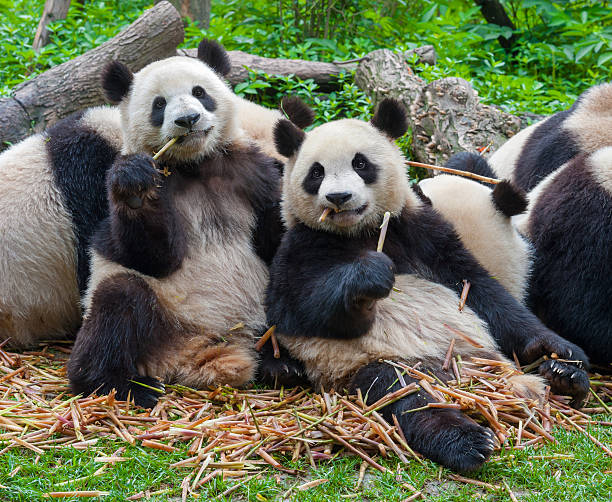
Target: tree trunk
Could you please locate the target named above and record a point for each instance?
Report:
(54, 9)
(196, 10)
(494, 13)
(322, 73)
(75, 84)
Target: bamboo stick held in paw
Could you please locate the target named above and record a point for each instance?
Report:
(383, 231)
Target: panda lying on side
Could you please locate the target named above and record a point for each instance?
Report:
(179, 268)
(333, 300)
(483, 219)
(535, 152)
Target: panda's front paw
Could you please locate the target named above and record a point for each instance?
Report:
(133, 179)
(550, 343)
(285, 371)
(374, 278)
(567, 380)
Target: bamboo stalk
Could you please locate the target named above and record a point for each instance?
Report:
(492, 181)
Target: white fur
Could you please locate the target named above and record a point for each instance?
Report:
(484, 230)
(590, 124)
(334, 145)
(503, 161)
(258, 123)
(600, 164)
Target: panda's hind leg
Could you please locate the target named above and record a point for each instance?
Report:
(125, 326)
(443, 435)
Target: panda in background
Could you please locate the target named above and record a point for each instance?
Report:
(483, 219)
(51, 199)
(569, 222)
(340, 307)
(535, 152)
(179, 268)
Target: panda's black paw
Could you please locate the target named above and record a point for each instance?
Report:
(285, 371)
(133, 179)
(464, 447)
(373, 278)
(144, 391)
(550, 343)
(567, 380)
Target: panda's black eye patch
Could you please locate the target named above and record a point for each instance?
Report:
(203, 97)
(364, 168)
(314, 178)
(157, 111)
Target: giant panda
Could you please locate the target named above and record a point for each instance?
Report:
(535, 152)
(343, 308)
(179, 267)
(51, 198)
(483, 219)
(569, 222)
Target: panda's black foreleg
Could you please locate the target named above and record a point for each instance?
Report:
(443, 435)
(144, 231)
(125, 326)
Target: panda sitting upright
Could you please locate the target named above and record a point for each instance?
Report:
(341, 307)
(179, 268)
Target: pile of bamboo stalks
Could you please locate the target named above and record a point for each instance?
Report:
(240, 433)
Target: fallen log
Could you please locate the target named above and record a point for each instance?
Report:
(75, 84)
(323, 74)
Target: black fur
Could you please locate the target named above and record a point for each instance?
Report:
(314, 272)
(285, 371)
(571, 280)
(297, 111)
(125, 325)
(549, 147)
(391, 118)
(143, 231)
(116, 81)
(287, 137)
(80, 159)
(508, 199)
(567, 380)
(473, 163)
(203, 97)
(314, 178)
(446, 436)
(420, 194)
(367, 170)
(158, 110)
(214, 55)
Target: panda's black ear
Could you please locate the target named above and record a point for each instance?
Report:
(116, 81)
(214, 55)
(287, 137)
(509, 199)
(297, 111)
(391, 118)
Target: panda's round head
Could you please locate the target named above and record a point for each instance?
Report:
(176, 97)
(349, 169)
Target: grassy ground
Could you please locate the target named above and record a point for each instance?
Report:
(572, 469)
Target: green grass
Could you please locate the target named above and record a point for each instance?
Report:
(580, 478)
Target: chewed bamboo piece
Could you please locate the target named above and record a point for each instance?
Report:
(324, 214)
(165, 147)
(240, 433)
(458, 172)
(383, 231)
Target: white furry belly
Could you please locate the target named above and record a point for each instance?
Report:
(411, 324)
(216, 287)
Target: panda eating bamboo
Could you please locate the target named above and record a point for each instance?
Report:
(344, 309)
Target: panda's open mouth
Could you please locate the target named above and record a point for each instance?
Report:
(347, 217)
(335, 212)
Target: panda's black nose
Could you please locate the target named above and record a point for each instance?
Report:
(187, 121)
(339, 198)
